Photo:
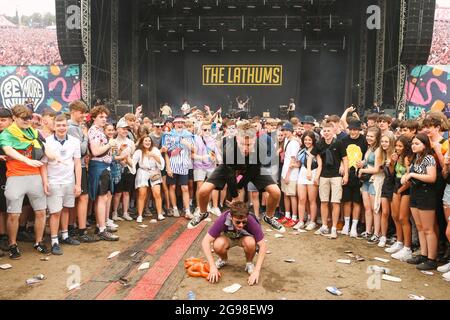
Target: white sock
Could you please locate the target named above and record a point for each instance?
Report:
(294, 217)
(287, 215)
(55, 240)
(407, 248)
(64, 234)
(175, 208)
(102, 229)
(347, 222)
(333, 229)
(354, 224)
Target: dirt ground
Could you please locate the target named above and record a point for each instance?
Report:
(314, 269)
(91, 259)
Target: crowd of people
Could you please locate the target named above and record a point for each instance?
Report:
(382, 181)
(28, 46)
(440, 46)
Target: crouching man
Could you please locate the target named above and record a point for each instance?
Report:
(236, 227)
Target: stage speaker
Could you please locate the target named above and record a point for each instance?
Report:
(68, 30)
(418, 31)
(122, 109)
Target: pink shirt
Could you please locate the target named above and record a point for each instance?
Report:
(97, 136)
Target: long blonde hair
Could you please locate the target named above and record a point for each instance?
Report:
(383, 155)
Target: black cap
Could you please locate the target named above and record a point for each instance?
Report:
(355, 125)
(5, 113)
(308, 119)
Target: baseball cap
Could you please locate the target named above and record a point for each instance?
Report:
(354, 124)
(5, 113)
(287, 126)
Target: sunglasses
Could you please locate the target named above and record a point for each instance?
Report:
(28, 118)
(206, 130)
(158, 125)
(239, 222)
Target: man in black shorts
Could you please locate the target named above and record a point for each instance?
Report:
(356, 146)
(244, 155)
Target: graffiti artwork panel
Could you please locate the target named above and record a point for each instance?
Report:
(427, 89)
(48, 86)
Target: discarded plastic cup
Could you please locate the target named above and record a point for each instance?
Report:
(334, 290)
(191, 295)
(379, 269)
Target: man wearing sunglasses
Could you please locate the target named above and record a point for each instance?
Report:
(236, 227)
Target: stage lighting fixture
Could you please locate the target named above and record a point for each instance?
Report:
(195, 50)
(333, 50)
(253, 29)
(315, 50)
(273, 29)
(251, 6)
(297, 29)
(213, 30)
(251, 50)
(274, 50)
(231, 30)
(234, 50)
(292, 50)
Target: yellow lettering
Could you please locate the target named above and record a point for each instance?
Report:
(276, 76)
(267, 75)
(251, 76)
(237, 76)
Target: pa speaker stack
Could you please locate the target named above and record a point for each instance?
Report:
(418, 31)
(68, 27)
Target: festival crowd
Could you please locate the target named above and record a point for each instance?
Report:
(73, 176)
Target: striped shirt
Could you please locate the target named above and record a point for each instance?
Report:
(179, 154)
(97, 136)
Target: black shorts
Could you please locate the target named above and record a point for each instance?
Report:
(104, 183)
(351, 194)
(220, 175)
(397, 186)
(179, 179)
(84, 181)
(423, 197)
(126, 183)
(191, 174)
(387, 190)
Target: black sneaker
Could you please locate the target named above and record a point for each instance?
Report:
(86, 238)
(196, 220)
(274, 223)
(417, 259)
(4, 245)
(24, 236)
(169, 212)
(73, 232)
(56, 249)
(107, 236)
(40, 247)
(70, 241)
(374, 239)
(14, 252)
(427, 265)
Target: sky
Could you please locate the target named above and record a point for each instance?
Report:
(27, 7)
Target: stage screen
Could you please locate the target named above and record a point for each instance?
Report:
(28, 33)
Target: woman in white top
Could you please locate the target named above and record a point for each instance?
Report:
(148, 175)
(308, 181)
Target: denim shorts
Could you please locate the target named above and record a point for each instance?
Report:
(368, 187)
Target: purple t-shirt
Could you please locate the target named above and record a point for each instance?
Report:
(224, 225)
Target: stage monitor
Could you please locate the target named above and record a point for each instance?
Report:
(122, 109)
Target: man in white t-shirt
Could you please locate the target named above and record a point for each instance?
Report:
(62, 181)
(289, 174)
(185, 108)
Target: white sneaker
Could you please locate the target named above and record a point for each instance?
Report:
(110, 223)
(333, 234)
(353, 233)
(139, 219)
(216, 211)
(382, 242)
(310, 226)
(176, 213)
(402, 255)
(299, 225)
(127, 217)
(397, 246)
(446, 276)
(188, 215)
(323, 230)
(445, 268)
(161, 217)
(221, 263)
(115, 217)
(345, 231)
(249, 267)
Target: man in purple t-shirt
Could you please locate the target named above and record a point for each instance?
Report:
(235, 228)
